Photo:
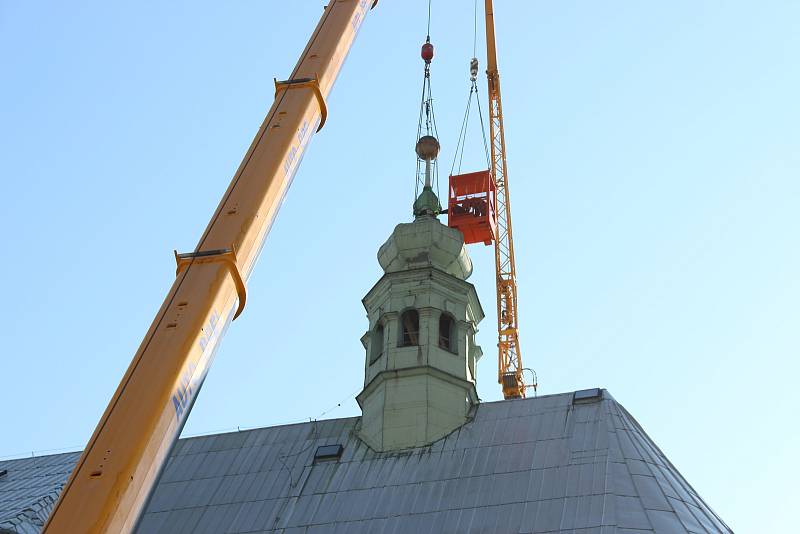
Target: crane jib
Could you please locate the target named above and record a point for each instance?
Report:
(115, 475)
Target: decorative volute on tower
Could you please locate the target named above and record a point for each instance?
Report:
(421, 354)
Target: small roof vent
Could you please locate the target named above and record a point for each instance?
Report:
(328, 452)
(585, 396)
(3, 472)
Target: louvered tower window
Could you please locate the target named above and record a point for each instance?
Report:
(447, 331)
(409, 328)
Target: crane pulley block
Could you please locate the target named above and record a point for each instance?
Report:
(472, 206)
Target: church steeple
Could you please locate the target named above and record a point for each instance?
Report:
(419, 371)
(421, 354)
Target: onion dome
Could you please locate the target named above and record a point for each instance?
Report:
(426, 242)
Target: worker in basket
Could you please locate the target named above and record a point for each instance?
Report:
(477, 207)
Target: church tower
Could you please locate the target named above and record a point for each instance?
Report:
(419, 382)
(419, 370)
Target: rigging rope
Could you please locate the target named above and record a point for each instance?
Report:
(462, 136)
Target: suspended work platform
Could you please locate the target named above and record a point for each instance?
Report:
(472, 206)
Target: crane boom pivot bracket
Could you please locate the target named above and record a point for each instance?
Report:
(225, 256)
(299, 83)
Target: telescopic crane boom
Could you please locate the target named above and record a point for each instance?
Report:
(509, 357)
(118, 469)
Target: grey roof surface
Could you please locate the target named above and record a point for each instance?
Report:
(29, 490)
(544, 465)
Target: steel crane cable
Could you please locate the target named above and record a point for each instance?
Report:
(474, 78)
(475, 30)
(462, 136)
(483, 130)
(459, 153)
(429, 21)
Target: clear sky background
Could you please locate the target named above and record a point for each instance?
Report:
(653, 163)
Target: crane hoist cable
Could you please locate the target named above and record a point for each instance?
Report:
(428, 33)
(462, 136)
(473, 71)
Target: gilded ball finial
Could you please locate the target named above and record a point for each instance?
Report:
(427, 148)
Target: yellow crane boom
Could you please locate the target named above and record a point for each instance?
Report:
(509, 357)
(120, 465)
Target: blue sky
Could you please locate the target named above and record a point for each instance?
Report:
(653, 165)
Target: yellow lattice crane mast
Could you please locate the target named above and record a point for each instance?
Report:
(509, 357)
(479, 206)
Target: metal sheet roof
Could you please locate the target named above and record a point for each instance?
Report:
(29, 489)
(553, 464)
